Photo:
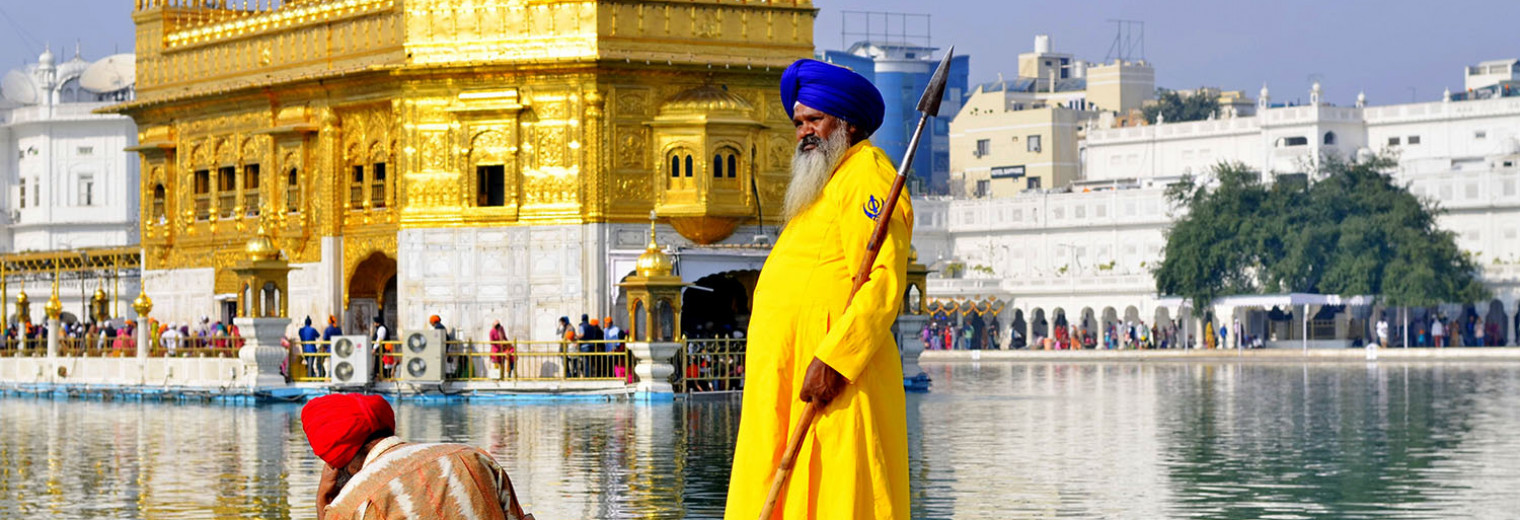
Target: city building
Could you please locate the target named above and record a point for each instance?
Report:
(900, 64)
(71, 207)
(477, 161)
(70, 183)
(1083, 252)
(1019, 134)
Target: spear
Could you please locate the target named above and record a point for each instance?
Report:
(928, 106)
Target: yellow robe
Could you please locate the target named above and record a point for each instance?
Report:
(854, 463)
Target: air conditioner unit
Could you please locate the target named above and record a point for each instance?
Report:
(422, 353)
(351, 361)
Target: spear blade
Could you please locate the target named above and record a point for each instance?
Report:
(935, 91)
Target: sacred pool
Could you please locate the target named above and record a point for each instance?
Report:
(992, 440)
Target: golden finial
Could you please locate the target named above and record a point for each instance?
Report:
(653, 262)
(54, 307)
(143, 304)
(260, 247)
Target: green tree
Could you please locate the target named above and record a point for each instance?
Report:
(1178, 108)
(1353, 230)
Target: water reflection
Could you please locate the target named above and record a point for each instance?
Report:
(992, 441)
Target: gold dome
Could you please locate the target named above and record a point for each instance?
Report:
(706, 99)
(142, 304)
(22, 299)
(653, 262)
(260, 247)
(54, 308)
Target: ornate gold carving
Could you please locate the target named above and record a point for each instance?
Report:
(550, 147)
(435, 150)
(325, 85)
(550, 187)
(632, 149)
(357, 248)
(632, 187)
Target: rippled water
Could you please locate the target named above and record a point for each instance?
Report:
(1143, 441)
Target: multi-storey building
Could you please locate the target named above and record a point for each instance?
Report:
(1021, 134)
(1084, 251)
(479, 160)
(70, 183)
(901, 70)
(69, 217)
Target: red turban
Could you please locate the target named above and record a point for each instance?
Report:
(337, 425)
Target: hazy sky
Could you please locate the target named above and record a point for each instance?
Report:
(1384, 47)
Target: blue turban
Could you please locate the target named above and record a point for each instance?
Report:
(833, 90)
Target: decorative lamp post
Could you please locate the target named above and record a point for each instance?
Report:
(654, 317)
(263, 277)
(23, 318)
(143, 305)
(54, 310)
(23, 308)
(101, 305)
(654, 294)
(911, 321)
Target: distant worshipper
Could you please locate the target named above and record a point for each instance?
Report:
(804, 344)
(370, 474)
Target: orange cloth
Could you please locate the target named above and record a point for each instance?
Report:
(427, 481)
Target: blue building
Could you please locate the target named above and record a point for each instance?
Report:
(901, 71)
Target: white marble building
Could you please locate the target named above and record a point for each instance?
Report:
(68, 182)
(1086, 250)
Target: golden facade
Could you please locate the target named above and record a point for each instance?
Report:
(360, 118)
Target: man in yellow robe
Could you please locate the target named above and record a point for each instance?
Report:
(804, 343)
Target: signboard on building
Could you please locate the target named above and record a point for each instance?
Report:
(1008, 172)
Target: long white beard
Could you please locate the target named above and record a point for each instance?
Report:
(811, 170)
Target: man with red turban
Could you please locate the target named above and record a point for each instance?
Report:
(370, 474)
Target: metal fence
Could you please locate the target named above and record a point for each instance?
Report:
(484, 361)
(709, 365)
(701, 365)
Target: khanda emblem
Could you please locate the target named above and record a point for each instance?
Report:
(872, 207)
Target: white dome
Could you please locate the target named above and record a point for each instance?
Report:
(17, 87)
(110, 74)
(46, 59)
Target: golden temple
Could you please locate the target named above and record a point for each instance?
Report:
(355, 127)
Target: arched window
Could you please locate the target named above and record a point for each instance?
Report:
(1329, 137)
(718, 166)
(733, 167)
(680, 178)
(640, 322)
(356, 188)
(158, 202)
(378, 184)
(292, 191)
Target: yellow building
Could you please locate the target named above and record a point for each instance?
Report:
(997, 153)
(475, 159)
(1023, 133)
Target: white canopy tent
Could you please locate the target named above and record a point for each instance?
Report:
(1267, 301)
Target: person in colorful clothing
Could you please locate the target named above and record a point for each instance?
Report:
(370, 474)
(809, 341)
